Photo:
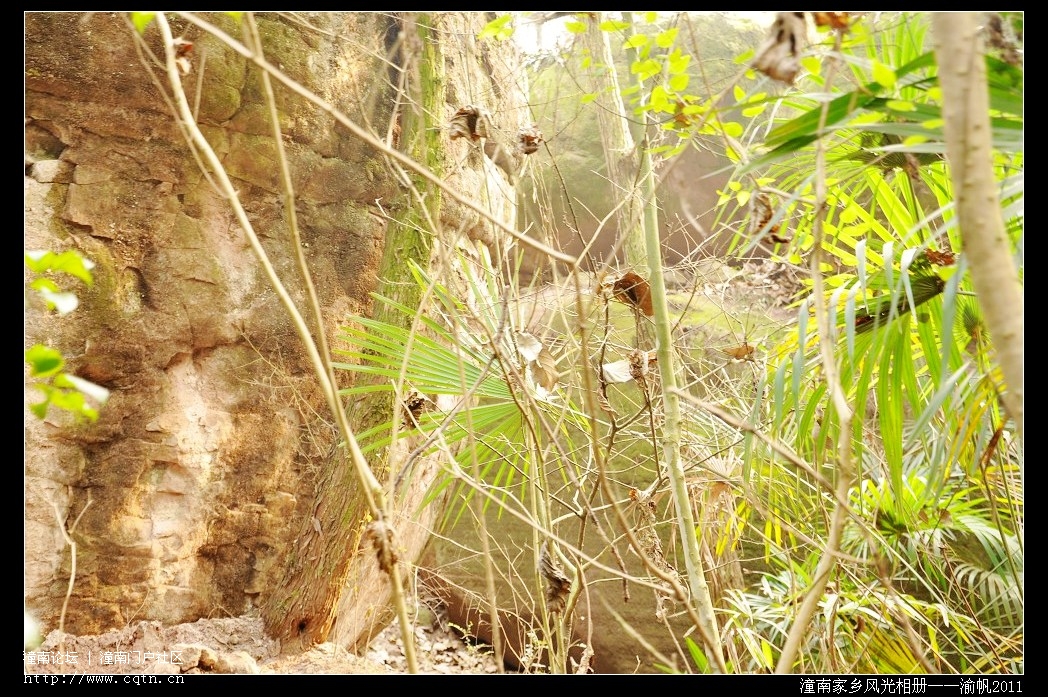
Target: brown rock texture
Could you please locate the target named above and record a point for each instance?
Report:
(200, 473)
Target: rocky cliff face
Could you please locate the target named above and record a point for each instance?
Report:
(200, 472)
(199, 480)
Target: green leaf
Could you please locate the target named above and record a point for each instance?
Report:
(636, 41)
(575, 27)
(900, 105)
(812, 64)
(39, 409)
(769, 662)
(614, 25)
(73, 402)
(679, 83)
(841, 107)
(498, 29)
(884, 75)
(697, 655)
(666, 38)
(732, 129)
(646, 69)
(141, 20)
(68, 262)
(43, 284)
(660, 101)
(678, 62)
(44, 361)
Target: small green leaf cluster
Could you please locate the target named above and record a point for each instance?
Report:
(499, 29)
(61, 390)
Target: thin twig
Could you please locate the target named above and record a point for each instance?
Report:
(68, 537)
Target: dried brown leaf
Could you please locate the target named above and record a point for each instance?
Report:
(381, 536)
(940, 258)
(558, 585)
(740, 353)
(545, 368)
(638, 361)
(469, 122)
(779, 57)
(833, 20)
(634, 291)
(415, 404)
(528, 139)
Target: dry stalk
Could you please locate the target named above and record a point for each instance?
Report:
(67, 535)
(845, 466)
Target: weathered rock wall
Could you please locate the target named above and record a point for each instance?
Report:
(200, 471)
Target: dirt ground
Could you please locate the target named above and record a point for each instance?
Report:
(240, 645)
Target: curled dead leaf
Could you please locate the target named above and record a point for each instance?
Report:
(381, 536)
(779, 57)
(761, 213)
(474, 122)
(542, 363)
(546, 369)
(183, 47)
(415, 404)
(834, 20)
(469, 122)
(740, 353)
(634, 291)
(638, 365)
(183, 52)
(940, 258)
(528, 139)
(558, 585)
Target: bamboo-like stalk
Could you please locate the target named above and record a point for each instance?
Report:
(671, 435)
(966, 124)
